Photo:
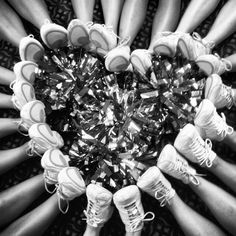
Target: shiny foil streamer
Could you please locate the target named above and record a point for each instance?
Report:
(119, 122)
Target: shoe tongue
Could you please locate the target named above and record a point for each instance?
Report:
(126, 196)
(103, 199)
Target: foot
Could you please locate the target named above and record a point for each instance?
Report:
(173, 164)
(31, 113)
(190, 144)
(70, 186)
(25, 70)
(53, 161)
(166, 44)
(213, 64)
(194, 46)
(78, 33)
(141, 60)
(99, 208)
(54, 35)
(31, 49)
(218, 93)
(128, 201)
(155, 184)
(43, 138)
(103, 37)
(209, 123)
(23, 92)
(118, 59)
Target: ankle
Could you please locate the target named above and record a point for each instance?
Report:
(92, 231)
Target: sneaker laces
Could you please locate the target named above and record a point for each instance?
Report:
(182, 167)
(92, 214)
(15, 102)
(64, 197)
(49, 177)
(166, 193)
(227, 64)
(32, 148)
(220, 125)
(228, 95)
(198, 38)
(135, 218)
(202, 151)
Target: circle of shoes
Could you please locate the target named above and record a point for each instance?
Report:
(193, 142)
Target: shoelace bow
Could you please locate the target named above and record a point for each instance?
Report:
(135, 220)
(227, 64)
(32, 148)
(202, 151)
(219, 123)
(198, 38)
(183, 168)
(48, 180)
(165, 193)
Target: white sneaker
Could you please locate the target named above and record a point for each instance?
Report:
(31, 49)
(173, 164)
(54, 35)
(117, 59)
(70, 185)
(141, 60)
(193, 47)
(103, 37)
(167, 44)
(78, 33)
(209, 123)
(43, 138)
(128, 201)
(31, 113)
(99, 208)
(23, 93)
(25, 70)
(53, 161)
(155, 184)
(218, 93)
(190, 144)
(213, 64)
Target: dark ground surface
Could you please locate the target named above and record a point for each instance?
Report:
(72, 224)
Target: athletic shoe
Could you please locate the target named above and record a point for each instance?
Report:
(99, 208)
(128, 201)
(218, 93)
(166, 44)
(70, 185)
(103, 37)
(25, 70)
(193, 47)
(190, 144)
(141, 60)
(43, 138)
(209, 123)
(173, 164)
(78, 33)
(23, 93)
(31, 49)
(31, 113)
(213, 64)
(54, 35)
(53, 161)
(155, 184)
(117, 59)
